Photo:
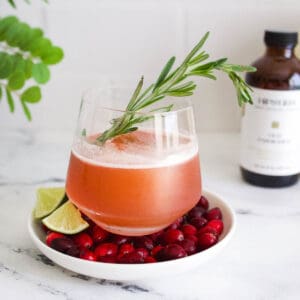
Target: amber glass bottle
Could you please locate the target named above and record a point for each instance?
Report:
(270, 147)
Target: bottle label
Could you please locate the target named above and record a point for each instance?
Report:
(271, 133)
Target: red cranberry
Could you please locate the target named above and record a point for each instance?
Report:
(126, 248)
(191, 237)
(217, 225)
(213, 214)
(108, 259)
(155, 250)
(171, 251)
(73, 251)
(83, 240)
(52, 236)
(99, 235)
(45, 229)
(131, 258)
(143, 242)
(173, 236)
(189, 246)
(176, 224)
(144, 252)
(150, 259)
(196, 212)
(203, 202)
(88, 255)
(189, 229)
(106, 249)
(198, 222)
(207, 229)
(157, 237)
(207, 240)
(62, 244)
(120, 239)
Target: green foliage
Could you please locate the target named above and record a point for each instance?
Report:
(25, 54)
(172, 83)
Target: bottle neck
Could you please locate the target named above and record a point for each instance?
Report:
(280, 51)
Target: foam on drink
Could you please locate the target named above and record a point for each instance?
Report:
(141, 149)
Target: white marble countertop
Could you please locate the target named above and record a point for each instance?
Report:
(261, 262)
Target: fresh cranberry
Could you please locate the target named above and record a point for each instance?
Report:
(217, 225)
(144, 252)
(106, 249)
(173, 236)
(198, 222)
(45, 229)
(207, 240)
(62, 244)
(88, 255)
(176, 224)
(126, 248)
(52, 236)
(99, 235)
(213, 214)
(203, 202)
(189, 246)
(207, 229)
(83, 240)
(150, 259)
(156, 236)
(191, 237)
(155, 250)
(108, 259)
(188, 229)
(131, 258)
(120, 239)
(171, 251)
(196, 212)
(73, 251)
(143, 242)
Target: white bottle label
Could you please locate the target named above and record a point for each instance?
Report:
(271, 133)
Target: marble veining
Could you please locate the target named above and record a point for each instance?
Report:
(262, 262)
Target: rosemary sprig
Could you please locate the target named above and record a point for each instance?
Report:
(176, 84)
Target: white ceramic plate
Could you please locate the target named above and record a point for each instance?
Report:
(138, 271)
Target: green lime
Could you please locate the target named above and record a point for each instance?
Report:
(66, 219)
(48, 199)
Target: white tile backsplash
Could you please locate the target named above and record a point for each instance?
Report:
(121, 40)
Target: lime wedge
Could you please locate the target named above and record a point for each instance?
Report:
(66, 219)
(48, 199)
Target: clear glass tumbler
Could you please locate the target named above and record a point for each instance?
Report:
(136, 183)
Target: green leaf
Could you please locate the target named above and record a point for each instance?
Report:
(12, 3)
(5, 23)
(14, 34)
(40, 73)
(53, 56)
(5, 65)
(10, 100)
(28, 68)
(33, 36)
(32, 95)
(18, 63)
(40, 47)
(16, 80)
(0, 92)
(165, 71)
(135, 94)
(196, 48)
(26, 110)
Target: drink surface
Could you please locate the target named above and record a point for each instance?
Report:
(137, 183)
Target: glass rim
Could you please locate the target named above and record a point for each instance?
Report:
(186, 103)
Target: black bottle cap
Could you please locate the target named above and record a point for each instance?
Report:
(281, 38)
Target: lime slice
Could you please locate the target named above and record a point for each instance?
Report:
(48, 199)
(66, 219)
